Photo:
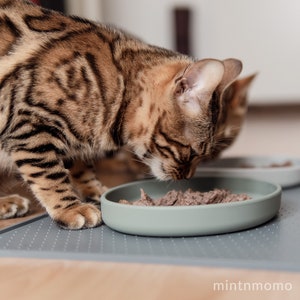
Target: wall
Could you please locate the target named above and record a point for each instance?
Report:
(269, 131)
(91, 9)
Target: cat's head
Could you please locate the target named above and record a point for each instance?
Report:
(187, 115)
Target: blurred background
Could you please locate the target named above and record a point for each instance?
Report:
(263, 34)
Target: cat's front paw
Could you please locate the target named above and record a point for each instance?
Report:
(13, 206)
(82, 216)
(93, 196)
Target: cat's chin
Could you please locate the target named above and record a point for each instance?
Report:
(163, 177)
(157, 171)
(160, 175)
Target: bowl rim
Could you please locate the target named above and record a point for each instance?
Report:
(277, 191)
(295, 166)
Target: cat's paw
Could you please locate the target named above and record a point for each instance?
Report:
(82, 216)
(13, 206)
(94, 196)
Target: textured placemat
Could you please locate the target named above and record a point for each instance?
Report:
(274, 245)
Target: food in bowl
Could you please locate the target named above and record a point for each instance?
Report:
(272, 165)
(187, 198)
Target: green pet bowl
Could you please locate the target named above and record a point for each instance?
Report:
(190, 220)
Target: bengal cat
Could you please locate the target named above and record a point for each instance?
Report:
(72, 90)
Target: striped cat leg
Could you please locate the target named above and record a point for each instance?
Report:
(49, 180)
(13, 206)
(85, 180)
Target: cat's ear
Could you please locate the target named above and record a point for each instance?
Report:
(235, 107)
(235, 100)
(240, 90)
(195, 87)
(232, 69)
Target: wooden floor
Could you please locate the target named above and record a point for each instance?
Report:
(56, 279)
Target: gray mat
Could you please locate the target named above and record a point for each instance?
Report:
(274, 245)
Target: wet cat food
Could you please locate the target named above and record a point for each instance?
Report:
(272, 165)
(189, 197)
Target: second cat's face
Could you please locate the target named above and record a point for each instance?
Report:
(188, 119)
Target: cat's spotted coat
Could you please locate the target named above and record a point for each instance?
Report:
(72, 90)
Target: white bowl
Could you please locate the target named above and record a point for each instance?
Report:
(260, 169)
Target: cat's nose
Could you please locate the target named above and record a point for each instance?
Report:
(190, 173)
(183, 172)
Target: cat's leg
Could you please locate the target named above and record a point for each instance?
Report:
(13, 206)
(50, 182)
(86, 182)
